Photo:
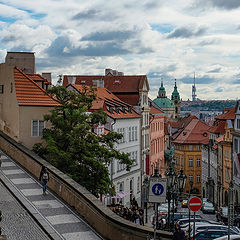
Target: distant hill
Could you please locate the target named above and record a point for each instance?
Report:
(212, 105)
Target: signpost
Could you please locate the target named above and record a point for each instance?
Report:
(194, 204)
(157, 194)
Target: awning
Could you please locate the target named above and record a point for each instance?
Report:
(120, 195)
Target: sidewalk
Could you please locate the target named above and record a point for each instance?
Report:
(53, 215)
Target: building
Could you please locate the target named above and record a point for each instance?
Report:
(236, 155)
(23, 103)
(122, 118)
(130, 89)
(188, 139)
(157, 140)
(172, 108)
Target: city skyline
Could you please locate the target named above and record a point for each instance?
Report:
(165, 40)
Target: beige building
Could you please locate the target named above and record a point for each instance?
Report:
(23, 100)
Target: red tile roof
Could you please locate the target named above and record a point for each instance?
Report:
(220, 139)
(228, 115)
(38, 78)
(196, 132)
(29, 93)
(218, 127)
(125, 87)
(154, 110)
(111, 104)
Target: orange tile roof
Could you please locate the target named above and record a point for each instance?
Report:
(29, 93)
(111, 104)
(125, 87)
(218, 127)
(196, 132)
(228, 115)
(220, 139)
(154, 110)
(38, 78)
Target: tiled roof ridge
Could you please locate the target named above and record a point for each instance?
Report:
(43, 90)
(44, 79)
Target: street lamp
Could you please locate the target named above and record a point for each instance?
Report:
(182, 178)
(175, 184)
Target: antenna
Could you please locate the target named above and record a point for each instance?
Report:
(194, 95)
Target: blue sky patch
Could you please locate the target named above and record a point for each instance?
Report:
(7, 19)
(38, 15)
(162, 28)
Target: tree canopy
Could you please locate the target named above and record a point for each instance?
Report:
(72, 146)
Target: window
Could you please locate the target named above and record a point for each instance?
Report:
(135, 133)
(236, 145)
(226, 175)
(121, 187)
(198, 148)
(226, 154)
(190, 147)
(198, 179)
(133, 155)
(1, 88)
(120, 166)
(238, 123)
(138, 184)
(190, 162)
(122, 131)
(37, 128)
(190, 178)
(198, 162)
(132, 134)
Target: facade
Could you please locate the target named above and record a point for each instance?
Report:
(122, 118)
(23, 102)
(188, 141)
(156, 141)
(236, 155)
(132, 90)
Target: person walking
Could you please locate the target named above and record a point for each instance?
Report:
(44, 178)
(179, 233)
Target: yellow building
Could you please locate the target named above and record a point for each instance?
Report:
(188, 142)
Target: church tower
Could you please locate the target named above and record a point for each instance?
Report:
(176, 100)
(162, 91)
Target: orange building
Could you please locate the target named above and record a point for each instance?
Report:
(156, 140)
(188, 142)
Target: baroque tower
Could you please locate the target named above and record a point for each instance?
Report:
(176, 100)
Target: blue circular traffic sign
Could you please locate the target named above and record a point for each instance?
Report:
(157, 189)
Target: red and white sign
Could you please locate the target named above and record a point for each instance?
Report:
(194, 204)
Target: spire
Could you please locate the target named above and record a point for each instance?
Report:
(175, 93)
(194, 95)
(162, 91)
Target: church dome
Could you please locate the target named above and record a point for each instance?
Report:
(164, 102)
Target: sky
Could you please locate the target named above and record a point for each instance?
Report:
(165, 40)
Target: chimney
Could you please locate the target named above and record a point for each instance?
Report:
(108, 70)
(120, 74)
(23, 60)
(48, 76)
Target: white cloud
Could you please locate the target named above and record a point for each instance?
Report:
(168, 39)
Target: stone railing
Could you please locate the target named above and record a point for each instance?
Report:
(101, 218)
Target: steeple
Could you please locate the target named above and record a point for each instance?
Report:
(162, 91)
(175, 93)
(194, 95)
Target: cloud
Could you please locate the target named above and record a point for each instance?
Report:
(199, 80)
(185, 32)
(223, 4)
(62, 46)
(220, 89)
(106, 36)
(216, 70)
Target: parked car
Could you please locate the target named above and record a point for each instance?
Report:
(184, 223)
(234, 236)
(184, 203)
(203, 227)
(208, 208)
(211, 234)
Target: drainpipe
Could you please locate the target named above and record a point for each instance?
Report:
(111, 175)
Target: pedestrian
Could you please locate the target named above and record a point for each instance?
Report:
(44, 178)
(179, 233)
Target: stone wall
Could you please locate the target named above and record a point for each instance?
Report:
(102, 219)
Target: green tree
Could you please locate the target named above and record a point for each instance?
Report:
(72, 146)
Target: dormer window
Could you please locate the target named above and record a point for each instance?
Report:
(117, 81)
(1, 88)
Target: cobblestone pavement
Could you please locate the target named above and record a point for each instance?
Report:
(52, 214)
(17, 223)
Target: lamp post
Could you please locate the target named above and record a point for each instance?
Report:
(189, 212)
(175, 185)
(145, 196)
